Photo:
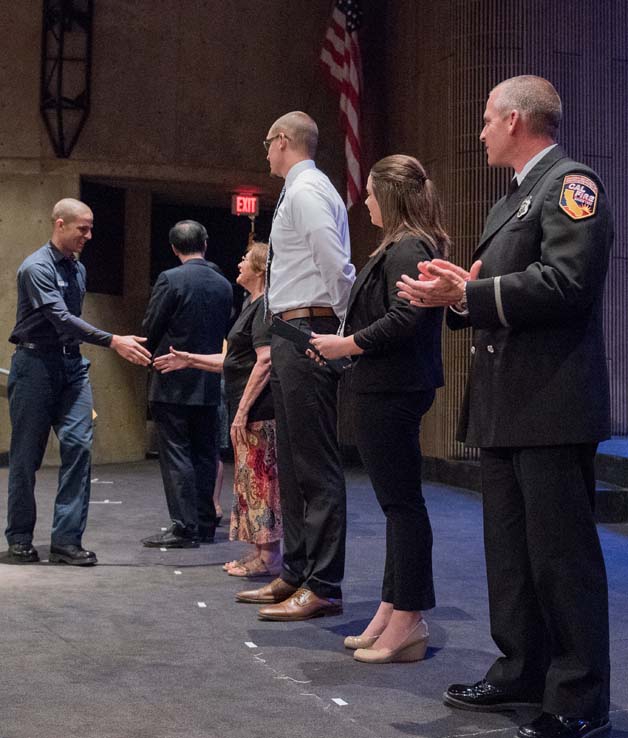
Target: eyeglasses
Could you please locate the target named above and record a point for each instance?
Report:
(267, 141)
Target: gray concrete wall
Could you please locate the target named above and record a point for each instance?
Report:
(182, 95)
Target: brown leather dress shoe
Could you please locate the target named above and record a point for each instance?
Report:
(276, 591)
(303, 605)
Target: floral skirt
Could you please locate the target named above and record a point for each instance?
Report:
(256, 514)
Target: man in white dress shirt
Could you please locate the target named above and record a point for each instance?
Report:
(309, 283)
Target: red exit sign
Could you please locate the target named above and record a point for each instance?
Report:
(244, 205)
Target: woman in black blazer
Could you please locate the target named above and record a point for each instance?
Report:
(397, 368)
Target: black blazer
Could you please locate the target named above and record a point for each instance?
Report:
(189, 309)
(538, 374)
(402, 343)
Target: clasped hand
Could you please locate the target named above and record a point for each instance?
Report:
(440, 283)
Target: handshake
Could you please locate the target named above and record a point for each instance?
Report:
(131, 349)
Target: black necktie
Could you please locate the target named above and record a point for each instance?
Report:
(513, 186)
(269, 256)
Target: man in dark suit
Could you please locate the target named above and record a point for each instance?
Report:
(188, 309)
(537, 403)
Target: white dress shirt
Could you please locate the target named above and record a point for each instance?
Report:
(531, 163)
(311, 247)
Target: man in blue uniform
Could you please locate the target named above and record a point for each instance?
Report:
(49, 387)
(537, 403)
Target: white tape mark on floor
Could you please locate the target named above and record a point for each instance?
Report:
(296, 681)
(100, 481)
(163, 549)
(176, 571)
(202, 604)
(482, 732)
(164, 529)
(105, 502)
(250, 644)
(339, 701)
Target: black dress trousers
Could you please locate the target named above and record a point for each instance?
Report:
(311, 479)
(387, 428)
(188, 461)
(540, 533)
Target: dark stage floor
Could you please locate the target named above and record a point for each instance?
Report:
(151, 644)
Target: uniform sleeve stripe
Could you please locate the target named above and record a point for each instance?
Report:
(498, 302)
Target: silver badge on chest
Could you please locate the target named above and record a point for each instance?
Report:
(524, 207)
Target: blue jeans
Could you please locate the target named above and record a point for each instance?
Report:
(49, 390)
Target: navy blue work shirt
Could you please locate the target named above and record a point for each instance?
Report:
(50, 292)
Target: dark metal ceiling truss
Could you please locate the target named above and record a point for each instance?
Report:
(66, 61)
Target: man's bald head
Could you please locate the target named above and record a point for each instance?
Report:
(300, 129)
(72, 224)
(69, 209)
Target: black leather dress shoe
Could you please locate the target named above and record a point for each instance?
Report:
(23, 553)
(206, 533)
(73, 555)
(485, 697)
(557, 726)
(171, 538)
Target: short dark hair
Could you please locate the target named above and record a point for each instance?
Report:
(188, 237)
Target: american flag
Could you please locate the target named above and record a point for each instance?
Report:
(341, 62)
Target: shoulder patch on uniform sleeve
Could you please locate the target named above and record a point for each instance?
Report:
(578, 196)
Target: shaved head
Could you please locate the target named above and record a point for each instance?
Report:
(69, 209)
(300, 129)
(72, 226)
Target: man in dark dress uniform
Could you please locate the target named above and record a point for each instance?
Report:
(49, 387)
(537, 403)
(189, 309)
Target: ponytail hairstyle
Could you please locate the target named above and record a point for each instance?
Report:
(409, 204)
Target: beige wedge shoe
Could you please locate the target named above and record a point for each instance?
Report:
(360, 641)
(413, 648)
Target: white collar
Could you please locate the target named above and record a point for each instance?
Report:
(297, 168)
(529, 165)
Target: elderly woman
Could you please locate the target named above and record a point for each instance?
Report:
(256, 514)
(397, 367)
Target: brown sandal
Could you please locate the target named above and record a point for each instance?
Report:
(237, 563)
(256, 568)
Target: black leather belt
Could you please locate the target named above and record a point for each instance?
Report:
(69, 349)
